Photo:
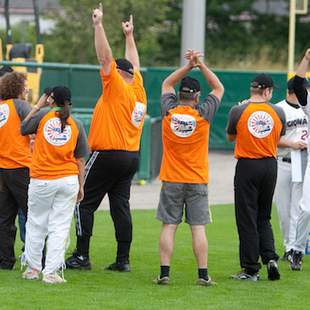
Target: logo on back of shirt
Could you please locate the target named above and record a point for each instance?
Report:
(260, 124)
(52, 132)
(183, 125)
(138, 114)
(4, 114)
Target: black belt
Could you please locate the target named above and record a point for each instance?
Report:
(286, 160)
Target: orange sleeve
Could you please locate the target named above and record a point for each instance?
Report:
(112, 80)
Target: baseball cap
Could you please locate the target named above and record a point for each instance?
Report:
(61, 94)
(189, 85)
(125, 65)
(290, 84)
(262, 81)
(5, 69)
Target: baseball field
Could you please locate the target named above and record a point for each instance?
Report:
(99, 289)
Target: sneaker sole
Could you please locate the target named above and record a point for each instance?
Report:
(161, 282)
(206, 283)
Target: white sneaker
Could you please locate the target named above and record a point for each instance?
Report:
(31, 274)
(53, 278)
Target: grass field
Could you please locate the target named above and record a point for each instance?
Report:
(99, 289)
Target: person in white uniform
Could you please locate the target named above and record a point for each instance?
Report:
(288, 189)
(303, 222)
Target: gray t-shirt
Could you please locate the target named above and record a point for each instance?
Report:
(22, 108)
(31, 127)
(206, 108)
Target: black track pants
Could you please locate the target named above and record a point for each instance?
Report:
(108, 172)
(13, 196)
(254, 184)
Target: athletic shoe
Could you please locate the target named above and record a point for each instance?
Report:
(161, 281)
(296, 261)
(273, 270)
(31, 274)
(53, 278)
(287, 255)
(77, 261)
(204, 282)
(243, 276)
(122, 267)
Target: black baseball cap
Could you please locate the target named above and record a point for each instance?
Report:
(290, 84)
(262, 81)
(124, 65)
(189, 85)
(5, 69)
(61, 94)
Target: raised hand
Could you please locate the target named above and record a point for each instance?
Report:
(193, 58)
(97, 15)
(128, 26)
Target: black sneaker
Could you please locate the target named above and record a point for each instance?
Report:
(122, 267)
(287, 255)
(77, 261)
(243, 276)
(296, 261)
(273, 270)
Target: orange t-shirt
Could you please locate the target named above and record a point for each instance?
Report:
(185, 136)
(15, 148)
(258, 127)
(53, 155)
(119, 113)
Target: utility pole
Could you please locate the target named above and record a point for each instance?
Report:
(193, 26)
(302, 8)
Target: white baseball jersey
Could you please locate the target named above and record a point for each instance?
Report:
(296, 125)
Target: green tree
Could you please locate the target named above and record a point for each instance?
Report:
(72, 39)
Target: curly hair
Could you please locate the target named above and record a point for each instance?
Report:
(12, 85)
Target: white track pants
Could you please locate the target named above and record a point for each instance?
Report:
(303, 224)
(50, 210)
(287, 197)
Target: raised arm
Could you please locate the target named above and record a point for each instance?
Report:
(304, 64)
(174, 78)
(131, 52)
(299, 89)
(103, 50)
(213, 81)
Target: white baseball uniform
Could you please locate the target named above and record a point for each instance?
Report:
(303, 222)
(288, 193)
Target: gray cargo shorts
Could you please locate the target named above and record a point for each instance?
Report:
(175, 197)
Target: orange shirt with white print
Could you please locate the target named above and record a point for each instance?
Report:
(258, 128)
(53, 154)
(185, 135)
(119, 113)
(15, 148)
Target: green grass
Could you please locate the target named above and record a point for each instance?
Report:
(99, 289)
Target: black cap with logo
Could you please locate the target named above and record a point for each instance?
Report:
(124, 65)
(189, 85)
(262, 81)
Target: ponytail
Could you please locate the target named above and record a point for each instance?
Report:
(63, 115)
